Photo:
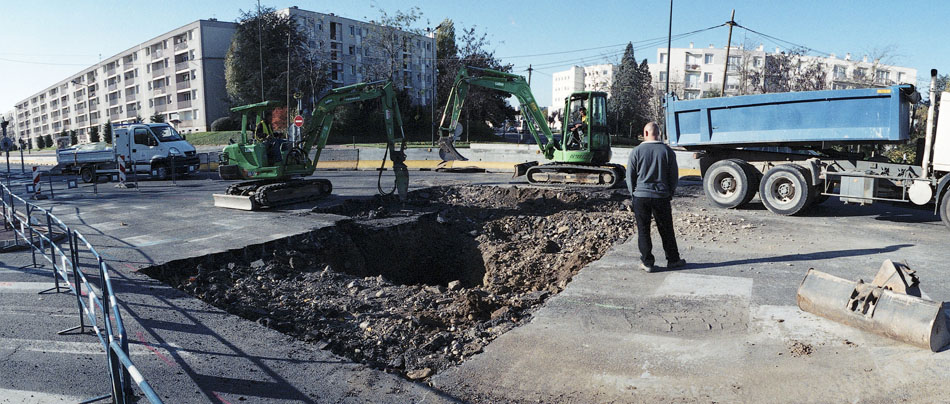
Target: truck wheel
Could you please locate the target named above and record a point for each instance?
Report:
(729, 183)
(945, 207)
(85, 174)
(162, 171)
(785, 190)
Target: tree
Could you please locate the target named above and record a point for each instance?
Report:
(278, 118)
(630, 95)
(158, 117)
(280, 39)
(48, 141)
(73, 138)
(40, 142)
(107, 132)
(94, 134)
(387, 41)
(471, 49)
(791, 71)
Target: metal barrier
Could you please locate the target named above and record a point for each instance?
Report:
(102, 308)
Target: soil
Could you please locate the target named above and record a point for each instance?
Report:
(418, 286)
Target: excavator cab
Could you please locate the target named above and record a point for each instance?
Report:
(584, 132)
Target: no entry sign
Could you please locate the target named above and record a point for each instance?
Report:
(298, 121)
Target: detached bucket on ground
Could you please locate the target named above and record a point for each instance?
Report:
(886, 306)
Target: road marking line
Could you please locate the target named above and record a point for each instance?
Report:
(24, 287)
(145, 240)
(195, 240)
(154, 351)
(83, 348)
(680, 284)
(34, 397)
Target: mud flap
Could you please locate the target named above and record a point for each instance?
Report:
(522, 169)
(447, 149)
(239, 202)
(881, 307)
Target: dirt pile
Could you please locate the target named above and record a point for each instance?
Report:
(416, 287)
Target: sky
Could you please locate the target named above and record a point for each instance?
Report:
(42, 42)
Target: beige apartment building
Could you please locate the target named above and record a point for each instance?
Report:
(580, 78)
(360, 51)
(179, 75)
(695, 72)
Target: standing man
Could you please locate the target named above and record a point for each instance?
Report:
(652, 176)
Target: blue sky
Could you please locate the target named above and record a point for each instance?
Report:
(44, 41)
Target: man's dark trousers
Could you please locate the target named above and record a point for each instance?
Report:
(658, 208)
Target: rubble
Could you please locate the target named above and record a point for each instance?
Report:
(417, 287)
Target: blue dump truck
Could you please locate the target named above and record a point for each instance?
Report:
(781, 146)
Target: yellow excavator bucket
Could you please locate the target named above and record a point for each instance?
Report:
(890, 305)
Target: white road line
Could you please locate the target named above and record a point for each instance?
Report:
(24, 287)
(86, 348)
(680, 284)
(195, 240)
(35, 397)
(145, 240)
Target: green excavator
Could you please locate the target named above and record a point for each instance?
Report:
(580, 158)
(269, 162)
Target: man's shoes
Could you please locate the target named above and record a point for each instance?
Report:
(677, 264)
(646, 268)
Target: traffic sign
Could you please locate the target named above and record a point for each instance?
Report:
(6, 144)
(298, 121)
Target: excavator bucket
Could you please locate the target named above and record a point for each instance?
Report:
(522, 169)
(890, 305)
(447, 151)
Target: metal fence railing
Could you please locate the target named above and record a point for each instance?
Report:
(97, 304)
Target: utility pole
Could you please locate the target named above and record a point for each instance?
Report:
(287, 105)
(731, 23)
(669, 39)
(260, 45)
(530, 69)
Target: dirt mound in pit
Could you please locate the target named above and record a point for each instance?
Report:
(416, 287)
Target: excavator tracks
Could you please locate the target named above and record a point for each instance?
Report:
(255, 195)
(576, 175)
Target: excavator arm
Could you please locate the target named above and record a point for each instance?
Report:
(496, 80)
(323, 119)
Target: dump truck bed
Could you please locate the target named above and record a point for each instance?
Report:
(875, 115)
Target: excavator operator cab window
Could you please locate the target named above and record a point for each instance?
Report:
(598, 114)
(578, 125)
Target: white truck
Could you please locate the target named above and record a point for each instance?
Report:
(154, 149)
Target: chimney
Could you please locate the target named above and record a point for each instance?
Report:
(847, 56)
(865, 59)
(691, 45)
(761, 48)
(711, 46)
(777, 50)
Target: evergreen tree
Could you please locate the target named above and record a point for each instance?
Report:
(107, 132)
(73, 138)
(94, 134)
(39, 142)
(48, 141)
(158, 117)
(630, 94)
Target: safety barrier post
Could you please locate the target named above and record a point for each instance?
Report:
(32, 248)
(16, 240)
(74, 257)
(49, 177)
(52, 251)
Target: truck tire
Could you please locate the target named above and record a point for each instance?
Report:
(85, 174)
(162, 171)
(730, 183)
(785, 190)
(945, 207)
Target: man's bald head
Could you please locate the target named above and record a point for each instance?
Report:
(651, 132)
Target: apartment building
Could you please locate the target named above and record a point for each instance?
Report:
(179, 75)
(695, 72)
(580, 78)
(360, 51)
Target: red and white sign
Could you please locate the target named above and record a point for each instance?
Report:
(122, 169)
(36, 180)
(298, 121)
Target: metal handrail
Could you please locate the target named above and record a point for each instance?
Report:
(111, 332)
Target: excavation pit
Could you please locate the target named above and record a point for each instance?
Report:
(418, 286)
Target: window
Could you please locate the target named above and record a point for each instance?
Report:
(901, 77)
(707, 77)
(662, 58)
(352, 49)
(141, 136)
(756, 61)
(352, 30)
(708, 59)
(882, 75)
(662, 76)
(692, 59)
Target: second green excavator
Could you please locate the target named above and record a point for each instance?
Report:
(581, 157)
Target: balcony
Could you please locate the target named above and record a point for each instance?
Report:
(93, 121)
(181, 85)
(692, 67)
(112, 86)
(131, 113)
(156, 54)
(186, 124)
(110, 70)
(161, 107)
(692, 85)
(181, 45)
(114, 117)
(181, 66)
(158, 72)
(113, 101)
(129, 97)
(158, 90)
(184, 104)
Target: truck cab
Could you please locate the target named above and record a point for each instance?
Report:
(154, 148)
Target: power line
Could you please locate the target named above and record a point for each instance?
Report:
(793, 44)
